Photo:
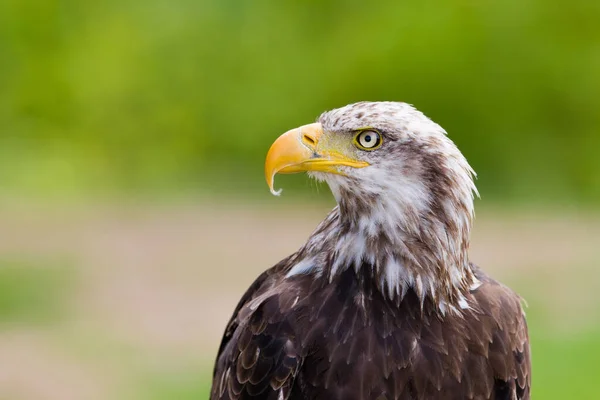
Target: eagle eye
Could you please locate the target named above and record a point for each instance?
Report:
(367, 140)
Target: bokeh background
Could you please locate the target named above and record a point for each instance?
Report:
(133, 211)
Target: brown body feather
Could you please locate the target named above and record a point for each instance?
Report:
(306, 338)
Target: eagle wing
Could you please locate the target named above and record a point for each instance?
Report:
(503, 336)
(257, 358)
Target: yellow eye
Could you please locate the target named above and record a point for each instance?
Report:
(367, 140)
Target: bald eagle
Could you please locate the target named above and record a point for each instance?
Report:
(382, 301)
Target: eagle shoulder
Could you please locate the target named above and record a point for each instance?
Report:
(501, 329)
(258, 357)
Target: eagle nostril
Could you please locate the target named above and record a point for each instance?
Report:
(308, 140)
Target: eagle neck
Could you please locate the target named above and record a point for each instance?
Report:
(417, 250)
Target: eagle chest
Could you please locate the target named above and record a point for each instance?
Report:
(357, 344)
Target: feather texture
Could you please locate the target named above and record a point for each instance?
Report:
(346, 340)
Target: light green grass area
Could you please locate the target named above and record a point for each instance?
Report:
(186, 385)
(32, 292)
(565, 367)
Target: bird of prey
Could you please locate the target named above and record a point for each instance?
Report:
(382, 301)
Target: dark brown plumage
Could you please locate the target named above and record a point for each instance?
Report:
(328, 346)
(376, 311)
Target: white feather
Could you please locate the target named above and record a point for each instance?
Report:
(302, 267)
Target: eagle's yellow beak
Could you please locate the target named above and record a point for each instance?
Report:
(298, 151)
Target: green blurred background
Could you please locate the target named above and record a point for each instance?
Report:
(132, 137)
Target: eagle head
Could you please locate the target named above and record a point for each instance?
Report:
(404, 190)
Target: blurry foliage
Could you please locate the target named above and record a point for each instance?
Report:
(188, 95)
